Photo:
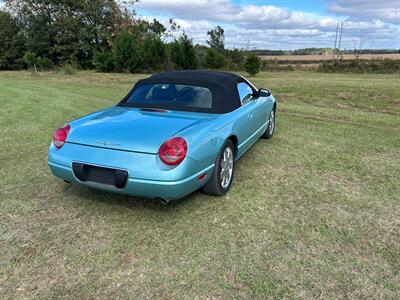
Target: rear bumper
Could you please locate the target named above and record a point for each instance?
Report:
(139, 187)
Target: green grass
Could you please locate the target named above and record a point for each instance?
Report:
(312, 213)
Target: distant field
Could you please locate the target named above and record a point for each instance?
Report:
(326, 57)
(313, 213)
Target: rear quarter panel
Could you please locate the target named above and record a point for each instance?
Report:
(206, 139)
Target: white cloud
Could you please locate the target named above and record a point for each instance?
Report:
(266, 26)
(226, 12)
(385, 10)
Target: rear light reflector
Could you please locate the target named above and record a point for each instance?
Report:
(60, 135)
(202, 177)
(173, 151)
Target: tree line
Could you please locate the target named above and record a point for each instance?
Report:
(107, 36)
(324, 51)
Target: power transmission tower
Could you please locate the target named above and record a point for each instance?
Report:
(340, 39)
(334, 47)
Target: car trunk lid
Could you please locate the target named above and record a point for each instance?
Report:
(131, 129)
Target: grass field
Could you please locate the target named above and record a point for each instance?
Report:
(312, 213)
(319, 58)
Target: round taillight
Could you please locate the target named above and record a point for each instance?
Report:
(60, 136)
(173, 151)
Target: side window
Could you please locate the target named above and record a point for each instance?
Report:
(245, 92)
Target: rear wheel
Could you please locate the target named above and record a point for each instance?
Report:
(221, 180)
(269, 132)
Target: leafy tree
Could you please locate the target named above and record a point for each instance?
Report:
(216, 38)
(173, 27)
(31, 60)
(183, 53)
(214, 59)
(140, 28)
(147, 37)
(127, 53)
(34, 61)
(67, 30)
(11, 45)
(201, 55)
(44, 63)
(144, 27)
(103, 61)
(236, 58)
(154, 52)
(36, 24)
(253, 63)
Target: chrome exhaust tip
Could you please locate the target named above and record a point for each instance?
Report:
(163, 201)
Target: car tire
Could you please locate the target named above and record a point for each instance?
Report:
(218, 185)
(269, 132)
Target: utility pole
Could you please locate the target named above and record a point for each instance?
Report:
(334, 47)
(340, 39)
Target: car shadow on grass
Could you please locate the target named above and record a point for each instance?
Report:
(81, 193)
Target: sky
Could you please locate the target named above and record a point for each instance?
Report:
(284, 24)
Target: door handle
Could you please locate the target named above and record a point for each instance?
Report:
(249, 117)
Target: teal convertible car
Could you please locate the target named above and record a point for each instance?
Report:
(174, 133)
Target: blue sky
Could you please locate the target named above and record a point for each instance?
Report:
(313, 6)
(284, 24)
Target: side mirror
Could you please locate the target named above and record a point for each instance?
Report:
(264, 93)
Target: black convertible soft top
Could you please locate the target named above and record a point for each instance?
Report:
(223, 86)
